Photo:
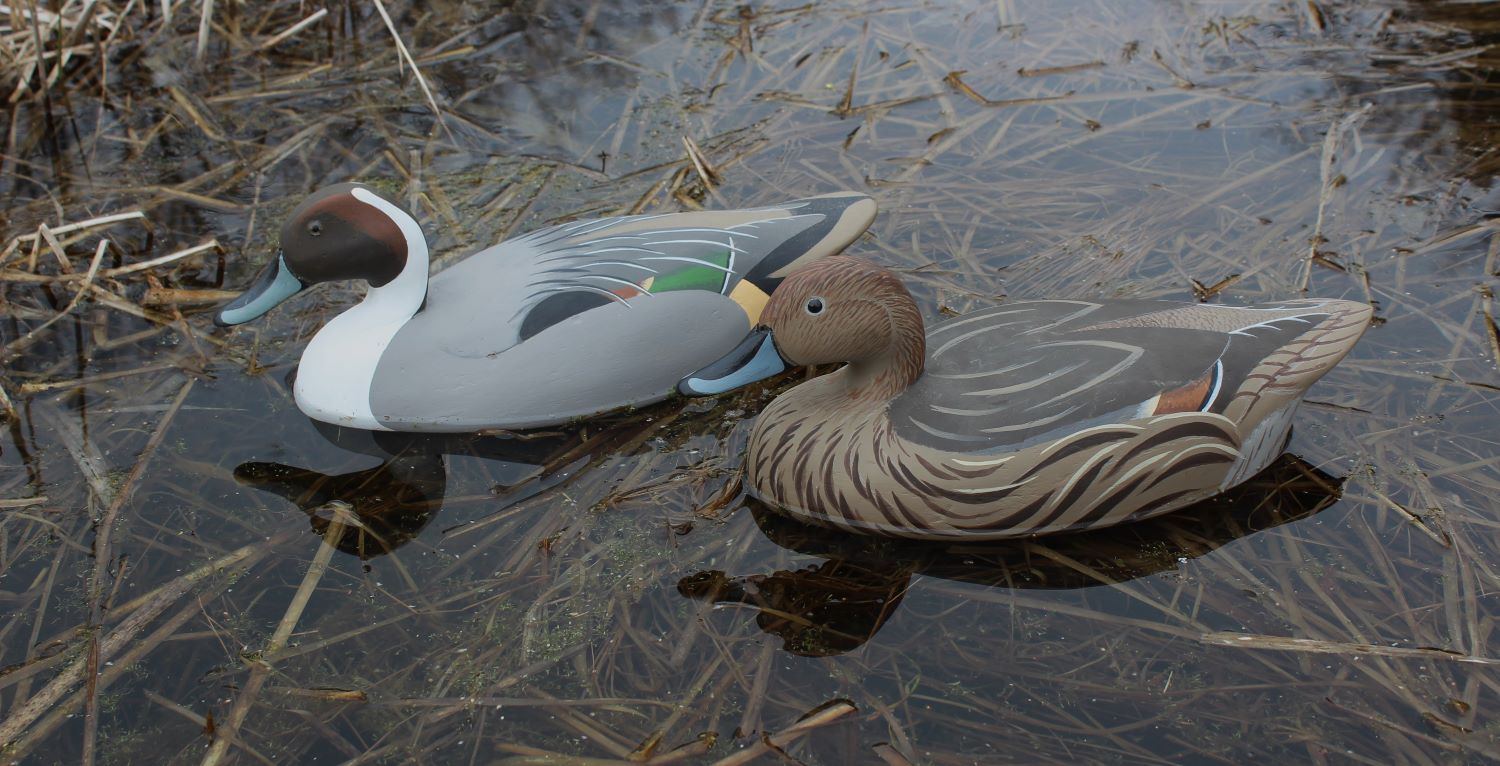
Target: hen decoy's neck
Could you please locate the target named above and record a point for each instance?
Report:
(883, 377)
(890, 370)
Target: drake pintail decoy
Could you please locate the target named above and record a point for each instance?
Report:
(562, 323)
(1024, 419)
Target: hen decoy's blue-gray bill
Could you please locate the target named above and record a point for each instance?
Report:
(754, 359)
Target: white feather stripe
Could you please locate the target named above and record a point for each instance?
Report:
(684, 230)
(591, 253)
(585, 227)
(616, 280)
(1030, 424)
(684, 259)
(625, 264)
(1132, 354)
(1209, 447)
(1218, 384)
(1067, 488)
(590, 288)
(1133, 472)
(981, 463)
(960, 322)
(710, 242)
(940, 350)
(1059, 444)
(1030, 384)
(983, 490)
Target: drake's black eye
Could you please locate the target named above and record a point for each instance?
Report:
(814, 306)
(315, 227)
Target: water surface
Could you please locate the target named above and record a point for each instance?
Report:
(604, 591)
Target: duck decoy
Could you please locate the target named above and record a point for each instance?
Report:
(562, 323)
(1023, 419)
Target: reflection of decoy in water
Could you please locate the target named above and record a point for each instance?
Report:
(839, 604)
(390, 503)
(393, 502)
(819, 611)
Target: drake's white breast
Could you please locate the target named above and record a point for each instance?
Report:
(338, 367)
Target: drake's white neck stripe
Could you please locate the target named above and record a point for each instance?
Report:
(407, 290)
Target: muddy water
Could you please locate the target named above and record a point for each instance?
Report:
(603, 590)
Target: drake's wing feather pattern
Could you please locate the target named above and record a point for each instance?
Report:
(546, 276)
(504, 328)
(1025, 373)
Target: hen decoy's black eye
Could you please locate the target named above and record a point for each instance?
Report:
(315, 227)
(814, 306)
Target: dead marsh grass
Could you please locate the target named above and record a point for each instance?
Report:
(516, 599)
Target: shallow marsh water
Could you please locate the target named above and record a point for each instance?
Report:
(604, 591)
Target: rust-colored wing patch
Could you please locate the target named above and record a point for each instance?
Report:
(1193, 397)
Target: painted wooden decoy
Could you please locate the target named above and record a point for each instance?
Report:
(562, 323)
(1024, 419)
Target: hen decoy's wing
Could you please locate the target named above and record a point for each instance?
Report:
(1021, 374)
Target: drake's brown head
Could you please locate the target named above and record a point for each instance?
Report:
(845, 309)
(346, 231)
(337, 234)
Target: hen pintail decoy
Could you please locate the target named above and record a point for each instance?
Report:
(562, 323)
(1023, 419)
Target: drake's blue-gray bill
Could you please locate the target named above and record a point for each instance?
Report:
(756, 358)
(275, 284)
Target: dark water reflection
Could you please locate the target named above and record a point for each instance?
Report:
(390, 503)
(387, 506)
(1137, 147)
(838, 605)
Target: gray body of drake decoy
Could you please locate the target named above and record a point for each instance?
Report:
(562, 323)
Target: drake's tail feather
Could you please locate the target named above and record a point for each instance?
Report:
(846, 215)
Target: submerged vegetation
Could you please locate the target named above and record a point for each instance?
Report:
(192, 572)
